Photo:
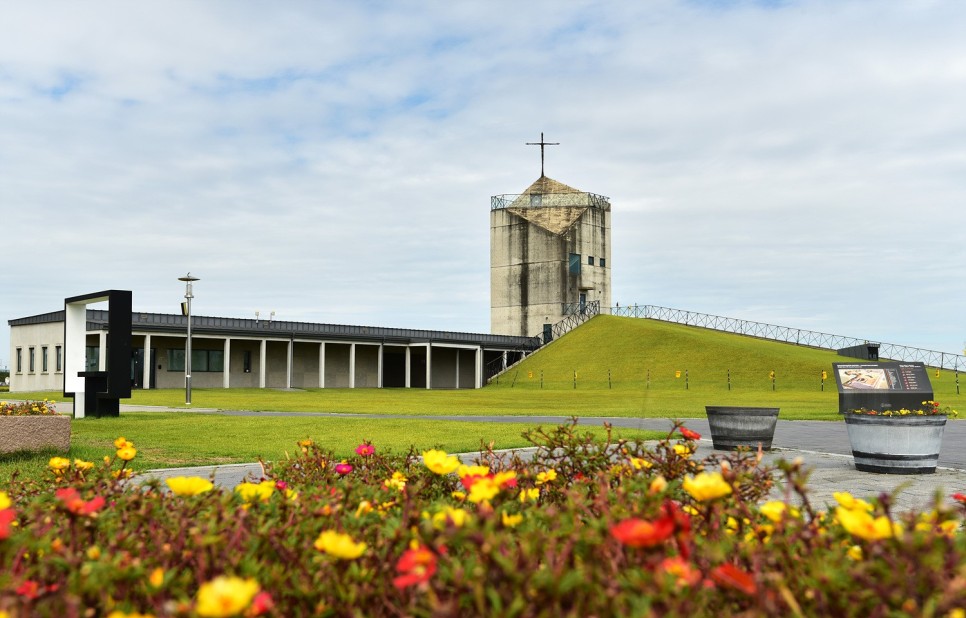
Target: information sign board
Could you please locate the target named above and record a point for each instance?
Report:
(882, 386)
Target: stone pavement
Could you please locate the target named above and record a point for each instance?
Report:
(822, 446)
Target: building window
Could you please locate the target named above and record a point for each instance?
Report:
(92, 358)
(32, 356)
(536, 199)
(43, 359)
(574, 263)
(590, 260)
(59, 354)
(201, 360)
(603, 262)
(19, 360)
(247, 361)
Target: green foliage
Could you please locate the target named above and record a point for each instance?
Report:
(617, 530)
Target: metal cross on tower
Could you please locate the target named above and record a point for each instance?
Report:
(542, 143)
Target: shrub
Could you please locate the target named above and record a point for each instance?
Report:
(27, 408)
(582, 528)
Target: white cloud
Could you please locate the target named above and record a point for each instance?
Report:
(334, 161)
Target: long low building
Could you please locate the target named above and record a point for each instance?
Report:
(245, 353)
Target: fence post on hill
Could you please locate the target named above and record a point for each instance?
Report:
(575, 379)
(541, 379)
(647, 384)
(771, 374)
(686, 384)
(729, 379)
(608, 379)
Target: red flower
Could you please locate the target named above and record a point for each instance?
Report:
(29, 589)
(636, 532)
(690, 435)
(961, 498)
(343, 468)
(365, 449)
(281, 485)
(6, 518)
(77, 505)
(416, 566)
(260, 604)
(730, 576)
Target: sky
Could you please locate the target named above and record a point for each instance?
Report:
(799, 163)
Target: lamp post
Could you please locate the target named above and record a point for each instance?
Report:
(188, 279)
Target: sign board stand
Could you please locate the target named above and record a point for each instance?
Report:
(882, 386)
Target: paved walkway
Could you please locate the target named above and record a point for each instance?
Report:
(823, 446)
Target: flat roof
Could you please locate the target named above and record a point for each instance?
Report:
(167, 323)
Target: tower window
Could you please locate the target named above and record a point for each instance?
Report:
(590, 260)
(574, 263)
(536, 199)
(603, 262)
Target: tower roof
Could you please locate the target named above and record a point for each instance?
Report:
(545, 184)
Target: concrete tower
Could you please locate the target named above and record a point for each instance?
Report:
(549, 255)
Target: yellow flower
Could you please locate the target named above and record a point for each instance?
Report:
(364, 508)
(225, 596)
(122, 474)
(529, 495)
(683, 450)
(959, 612)
(855, 553)
(439, 462)
(59, 464)
(93, 552)
(464, 470)
(126, 453)
(156, 578)
(398, 481)
(122, 443)
(339, 545)
(255, 492)
(658, 485)
(706, 486)
(502, 478)
(640, 463)
(511, 521)
(776, 510)
(459, 517)
(189, 485)
(548, 476)
(483, 489)
(846, 500)
(458, 495)
(861, 524)
(4, 500)
(118, 614)
(82, 465)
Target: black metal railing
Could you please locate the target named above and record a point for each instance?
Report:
(539, 200)
(798, 336)
(575, 314)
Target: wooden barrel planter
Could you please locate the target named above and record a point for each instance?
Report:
(733, 427)
(895, 444)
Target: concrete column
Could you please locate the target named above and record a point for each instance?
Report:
(409, 362)
(478, 371)
(102, 352)
(429, 365)
(322, 365)
(226, 370)
(504, 360)
(288, 363)
(147, 364)
(352, 365)
(458, 367)
(75, 350)
(379, 368)
(262, 353)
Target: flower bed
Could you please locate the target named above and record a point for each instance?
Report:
(582, 529)
(32, 426)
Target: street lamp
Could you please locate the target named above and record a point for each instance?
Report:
(188, 279)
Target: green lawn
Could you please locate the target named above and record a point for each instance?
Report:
(173, 439)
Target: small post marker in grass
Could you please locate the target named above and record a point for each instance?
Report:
(729, 379)
(608, 379)
(771, 374)
(824, 377)
(541, 378)
(686, 386)
(575, 379)
(647, 384)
